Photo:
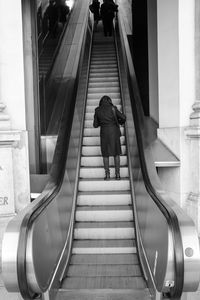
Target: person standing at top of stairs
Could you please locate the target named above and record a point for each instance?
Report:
(106, 118)
(107, 12)
(95, 9)
(51, 15)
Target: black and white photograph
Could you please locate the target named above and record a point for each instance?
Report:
(100, 150)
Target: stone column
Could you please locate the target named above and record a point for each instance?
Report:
(195, 116)
(193, 131)
(30, 44)
(7, 205)
(176, 89)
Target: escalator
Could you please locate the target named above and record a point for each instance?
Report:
(104, 256)
(86, 238)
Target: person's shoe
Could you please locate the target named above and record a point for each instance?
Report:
(117, 176)
(107, 177)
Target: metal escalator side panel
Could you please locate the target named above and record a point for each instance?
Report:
(11, 243)
(53, 231)
(177, 243)
(152, 229)
(9, 256)
(48, 235)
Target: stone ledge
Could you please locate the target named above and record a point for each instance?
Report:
(10, 136)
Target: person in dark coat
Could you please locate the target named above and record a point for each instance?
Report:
(109, 133)
(63, 11)
(107, 12)
(51, 14)
(95, 9)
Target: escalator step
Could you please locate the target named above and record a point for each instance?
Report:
(105, 283)
(96, 259)
(96, 150)
(104, 230)
(108, 198)
(90, 172)
(137, 291)
(104, 247)
(90, 271)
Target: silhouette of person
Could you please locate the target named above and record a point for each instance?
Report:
(63, 11)
(107, 11)
(51, 14)
(95, 9)
(110, 133)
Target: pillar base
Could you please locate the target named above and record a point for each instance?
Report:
(14, 172)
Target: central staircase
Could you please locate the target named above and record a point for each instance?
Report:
(104, 263)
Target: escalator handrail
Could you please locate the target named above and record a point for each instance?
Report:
(166, 210)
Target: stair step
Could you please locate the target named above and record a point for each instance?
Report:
(105, 53)
(91, 172)
(99, 95)
(101, 50)
(105, 84)
(110, 70)
(103, 90)
(104, 230)
(104, 259)
(95, 141)
(104, 214)
(103, 247)
(104, 271)
(103, 185)
(97, 161)
(80, 289)
(108, 198)
(96, 150)
(102, 80)
(103, 76)
(107, 65)
(101, 61)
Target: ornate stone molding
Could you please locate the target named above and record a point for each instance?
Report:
(193, 132)
(4, 118)
(195, 116)
(194, 129)
(194, 197)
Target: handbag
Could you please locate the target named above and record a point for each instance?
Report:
(119, 121)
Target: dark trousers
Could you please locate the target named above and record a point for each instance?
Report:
(117, 163)
(107, 26)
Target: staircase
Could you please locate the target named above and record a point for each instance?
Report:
(46, 57)
(104, 263)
